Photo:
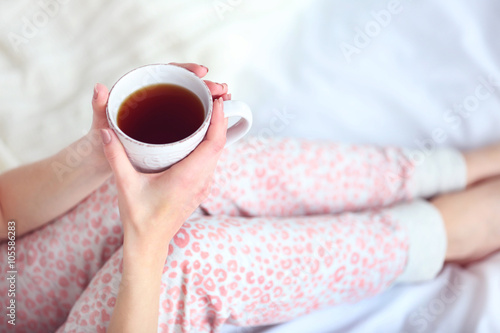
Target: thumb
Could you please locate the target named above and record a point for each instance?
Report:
(99, 101)
(116, 156)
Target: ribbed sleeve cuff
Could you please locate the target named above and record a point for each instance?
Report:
(443, 170)
(427, 237)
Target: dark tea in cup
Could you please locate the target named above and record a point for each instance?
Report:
(160, 114)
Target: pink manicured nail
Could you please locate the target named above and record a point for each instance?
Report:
(105, 136)
(96, 92)
(204, 67)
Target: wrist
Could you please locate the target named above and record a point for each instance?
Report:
(148, 250)
(151, 235)
(83, 162)
(140, 266)
(96, 160)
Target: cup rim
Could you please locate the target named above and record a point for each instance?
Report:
(125, 136)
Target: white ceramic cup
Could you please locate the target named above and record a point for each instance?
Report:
(147, 157)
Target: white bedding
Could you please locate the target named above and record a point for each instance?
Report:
(418, 81)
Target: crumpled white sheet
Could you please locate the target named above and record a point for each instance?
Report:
(418, 80)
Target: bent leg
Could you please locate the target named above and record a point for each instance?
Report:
(256, 271)
(293, 177)
(55, 263)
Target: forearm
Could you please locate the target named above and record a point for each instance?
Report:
(138, 299)
(37, 193)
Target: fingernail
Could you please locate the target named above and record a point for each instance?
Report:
(96, 92)
(105, 137)
(224, 85)
(205, 67)
(228, 96)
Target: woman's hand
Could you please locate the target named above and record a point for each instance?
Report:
(154, 206)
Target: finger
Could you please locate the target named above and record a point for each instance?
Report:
(99, 101)
(116, 156)
(199, 70)
(99, 98)
(217, 89)
(226, 97)
(208, 151)
(216, 133)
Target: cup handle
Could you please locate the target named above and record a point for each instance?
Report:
(240, 128)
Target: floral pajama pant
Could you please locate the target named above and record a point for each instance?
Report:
(289, 227)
